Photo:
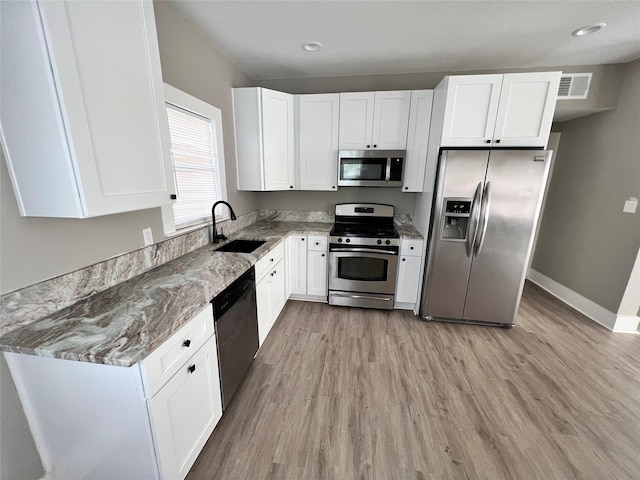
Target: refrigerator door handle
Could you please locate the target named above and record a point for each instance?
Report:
(474, 220)
(484, 216)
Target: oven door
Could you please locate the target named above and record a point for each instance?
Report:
(363, 270)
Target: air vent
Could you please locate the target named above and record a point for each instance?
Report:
(574, 86)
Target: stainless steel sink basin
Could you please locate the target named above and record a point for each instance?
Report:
(241, 246)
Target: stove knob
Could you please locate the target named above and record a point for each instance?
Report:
(388, 242)
(379, 242)
(339, 240)
(348, 240)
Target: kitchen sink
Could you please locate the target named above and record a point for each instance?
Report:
(241, 246)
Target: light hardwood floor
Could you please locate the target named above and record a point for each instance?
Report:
(340, 393)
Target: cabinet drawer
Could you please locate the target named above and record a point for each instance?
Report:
(318, 243)
(269, 260)
(411, 247)
(167, 359)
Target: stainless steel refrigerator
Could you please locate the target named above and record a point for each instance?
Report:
(485, 211)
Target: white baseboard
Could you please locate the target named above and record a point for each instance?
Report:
(627, 324)
(585, 306)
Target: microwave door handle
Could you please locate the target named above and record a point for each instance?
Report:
(388, 172)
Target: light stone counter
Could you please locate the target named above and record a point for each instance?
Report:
(123, 324)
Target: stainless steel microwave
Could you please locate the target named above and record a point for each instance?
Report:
(370, 168)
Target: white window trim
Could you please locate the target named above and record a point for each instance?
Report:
(183, 100)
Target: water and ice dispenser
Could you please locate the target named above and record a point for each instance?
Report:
(455, 224)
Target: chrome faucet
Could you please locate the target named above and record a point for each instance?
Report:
(215, 238)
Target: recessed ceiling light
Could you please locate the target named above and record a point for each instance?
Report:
(311, 46)
(589, 29)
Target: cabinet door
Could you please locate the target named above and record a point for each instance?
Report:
(264, 309)
(318, 117)
(408, 279)
(277, 297)
(417, 140)
(317, 273)
(391, 120)
(471, 106)
(525, 112)
(356, 120)
(297, 264)
(102, 144)
(277, 140)
(185, 411)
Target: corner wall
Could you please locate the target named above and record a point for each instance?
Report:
(586, 243)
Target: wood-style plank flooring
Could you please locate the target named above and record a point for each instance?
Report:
(341, 393)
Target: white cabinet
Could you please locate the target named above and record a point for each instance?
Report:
(374, 120)
(409, 273)
(417, 140)
(147, 421)
(185, 411)
(271, 293)
(307, 259)
(317, 135)
(297, 264)
(264, 131)
(511, 110)
(82, 108)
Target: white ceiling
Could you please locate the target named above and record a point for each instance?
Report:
(263, 38)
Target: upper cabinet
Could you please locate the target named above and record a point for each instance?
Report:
(82, 108)
(264, 131)
(511, 110)
(374, 120)
(317, 119)
(417, 140)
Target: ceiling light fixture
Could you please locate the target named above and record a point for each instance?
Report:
(311, 46)
(589, 29)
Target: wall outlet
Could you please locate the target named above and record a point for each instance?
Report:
(630, 205)
(147, 234)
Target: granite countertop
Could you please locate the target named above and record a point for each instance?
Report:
(125, 323)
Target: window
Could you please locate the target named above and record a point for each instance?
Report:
(197, 152)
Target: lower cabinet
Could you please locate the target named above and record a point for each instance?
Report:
(410, 265)
(307, 259)
(147, 421)
(271, 294)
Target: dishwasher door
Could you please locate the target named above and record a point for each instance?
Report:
(236, 323)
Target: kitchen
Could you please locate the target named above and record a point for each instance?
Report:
(35, 249)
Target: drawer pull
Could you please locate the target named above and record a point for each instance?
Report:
(192, 369)
(186, 343)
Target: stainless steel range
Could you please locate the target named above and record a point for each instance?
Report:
(363, 256)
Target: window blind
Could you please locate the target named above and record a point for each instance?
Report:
(195, 161)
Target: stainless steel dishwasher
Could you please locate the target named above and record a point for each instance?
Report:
(236, 322)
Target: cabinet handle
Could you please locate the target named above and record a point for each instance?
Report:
(192, 368)
(406, 188)
(173, 196)
(271, 259)
(497, 141)
(375, 146)
(487, 141)
(302, 239)
(333, 186)
(186, 343)
(317, 243)
(403, 259)
(410, 248)
(323, 254)
(368, 146)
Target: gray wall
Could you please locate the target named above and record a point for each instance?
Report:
(586, 243)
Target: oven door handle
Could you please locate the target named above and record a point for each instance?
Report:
(364, 250)
(362, 297)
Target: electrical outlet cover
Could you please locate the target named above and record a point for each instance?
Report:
(148, 236)
(630, 205)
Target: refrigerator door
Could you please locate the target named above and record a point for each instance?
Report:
(510, 209)
(455, 223)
